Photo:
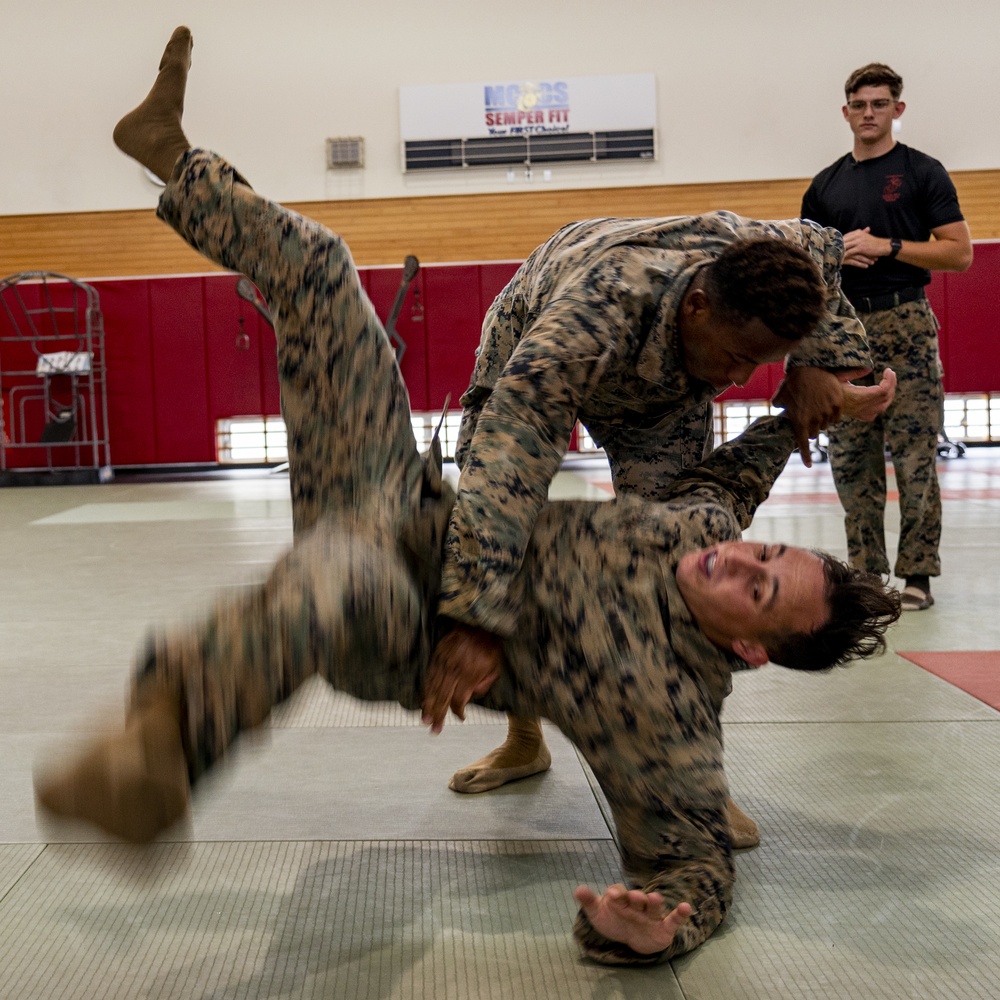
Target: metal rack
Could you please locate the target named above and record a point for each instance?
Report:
(53, 388)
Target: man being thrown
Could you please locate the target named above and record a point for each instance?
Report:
(633, 613)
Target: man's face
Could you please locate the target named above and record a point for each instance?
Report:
(723, 354)
(870, 112)
(741, 593)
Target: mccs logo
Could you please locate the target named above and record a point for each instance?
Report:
(527, 107)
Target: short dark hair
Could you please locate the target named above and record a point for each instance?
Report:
(862, 606)
(875, 75)
(769, 279)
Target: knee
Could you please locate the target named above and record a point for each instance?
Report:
(359, 592)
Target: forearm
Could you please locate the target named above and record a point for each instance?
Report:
(934, 255)
(503, 486)
(520, 437)
(948, 249)
(741, 472)
(838, 343)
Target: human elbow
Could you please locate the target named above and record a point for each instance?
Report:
(965, 259)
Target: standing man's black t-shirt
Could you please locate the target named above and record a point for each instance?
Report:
(903, 194)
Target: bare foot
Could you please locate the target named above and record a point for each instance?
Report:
(632, 917)
(152, 133)
(521, 755)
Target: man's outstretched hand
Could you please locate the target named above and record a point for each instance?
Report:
(633, 917)
(465, 664)
(866, 402)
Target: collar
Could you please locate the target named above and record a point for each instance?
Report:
(855, 162)
(691, 646)
(661, 356)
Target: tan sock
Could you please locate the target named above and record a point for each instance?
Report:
(522, 754)
(131, 784)
(743, 830)
(152, 133)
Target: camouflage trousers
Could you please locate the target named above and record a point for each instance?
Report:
(351, 600)
(905, 339)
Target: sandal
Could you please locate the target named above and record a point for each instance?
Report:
(916, 599)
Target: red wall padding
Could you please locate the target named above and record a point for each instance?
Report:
(183, 352)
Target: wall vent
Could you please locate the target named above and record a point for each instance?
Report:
(346, 151)
(529, 150)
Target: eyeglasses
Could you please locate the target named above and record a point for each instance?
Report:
(880, 104)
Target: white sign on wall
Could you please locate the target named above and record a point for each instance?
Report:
(534, 107)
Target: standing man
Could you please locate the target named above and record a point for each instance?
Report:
(900, 217)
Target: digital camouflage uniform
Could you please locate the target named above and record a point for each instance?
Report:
(604, 646)
(587, 329)
(905, 339)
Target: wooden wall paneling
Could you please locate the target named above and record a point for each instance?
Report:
(483, 227)
(184, 433)
(979, 196)
(95, 244)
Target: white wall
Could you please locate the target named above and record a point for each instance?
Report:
(745, 90)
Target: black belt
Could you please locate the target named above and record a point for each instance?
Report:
(889, 301)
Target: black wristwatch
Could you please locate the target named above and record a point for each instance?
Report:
(896, 245)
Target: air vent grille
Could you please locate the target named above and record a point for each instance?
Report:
(346, 151)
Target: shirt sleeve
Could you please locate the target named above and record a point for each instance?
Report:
(812, 208)
(940, 203)
(673, 834)
(521, 435)
(839, 340)
(740, 474)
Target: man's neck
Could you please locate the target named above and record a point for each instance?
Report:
(868, 151)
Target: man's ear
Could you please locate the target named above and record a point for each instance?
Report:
(753, 652)
(695, 302)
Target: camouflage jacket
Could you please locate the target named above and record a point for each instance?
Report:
(587, 328)
(606, 648)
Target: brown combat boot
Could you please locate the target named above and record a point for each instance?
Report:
(131, 784)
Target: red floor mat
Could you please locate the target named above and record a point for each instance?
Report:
(977, 673)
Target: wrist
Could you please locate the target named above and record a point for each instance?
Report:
(895, 245)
